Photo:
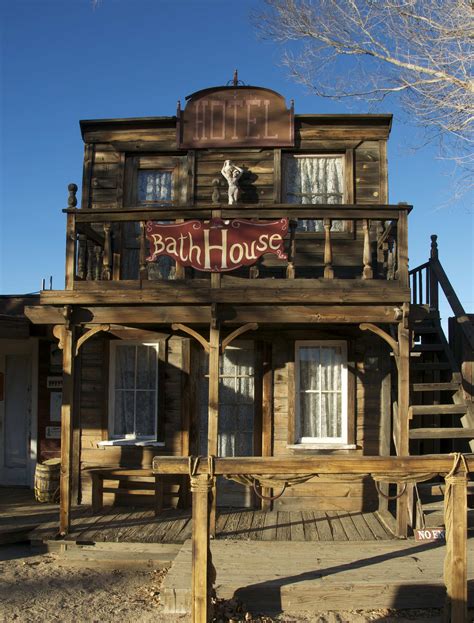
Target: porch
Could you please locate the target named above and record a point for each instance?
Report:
(136, 525)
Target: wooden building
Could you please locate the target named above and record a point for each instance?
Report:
(297, 346)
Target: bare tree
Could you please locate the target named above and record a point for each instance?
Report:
(420, 50)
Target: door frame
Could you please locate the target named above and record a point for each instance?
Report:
(29, 347)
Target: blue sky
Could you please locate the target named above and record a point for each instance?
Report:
(63, 60)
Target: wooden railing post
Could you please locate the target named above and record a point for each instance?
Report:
(434, 285)
(328, 269)
(70, 251)
(203, 574)
(290, 269)
(107, 258)
(213, 407)
(367, 272)
(402, 249)
(143, 253)
(455, 566)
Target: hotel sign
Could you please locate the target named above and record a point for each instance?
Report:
(236, 116)
(217, 245)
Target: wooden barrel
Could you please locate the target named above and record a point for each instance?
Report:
(47, 480)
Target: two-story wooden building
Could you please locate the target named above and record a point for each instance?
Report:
(294, 344)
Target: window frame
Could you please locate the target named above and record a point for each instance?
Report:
(131, 438)
(345, 441)
(171, 163)
(347, 157)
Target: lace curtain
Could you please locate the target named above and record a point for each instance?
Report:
(320, 392)
(155, 185)
(136, 390)
(314, 179)
(236, 397)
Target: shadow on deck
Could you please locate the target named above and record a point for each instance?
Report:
(132, 525)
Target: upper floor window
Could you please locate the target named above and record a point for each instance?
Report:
(321, 392)
(314, 179)
(155, 185)
(133, 390)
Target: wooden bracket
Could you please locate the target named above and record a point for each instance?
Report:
(89, 334)
(406, 315)
(66, 312)
(368, 326)
(59, 331)
(250, 326)
(182, 327)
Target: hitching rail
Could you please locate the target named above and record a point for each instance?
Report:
(203, 470)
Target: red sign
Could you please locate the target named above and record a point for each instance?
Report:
(235, 116)
(217, 245)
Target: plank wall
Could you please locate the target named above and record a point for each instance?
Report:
(93, 405)
(367, 363)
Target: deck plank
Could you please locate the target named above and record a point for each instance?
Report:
(324, 528)
(361, 525)
(270, 528)
(297, 526)
(310, 526)
(349, 526)
(283, 526)
(337, 530)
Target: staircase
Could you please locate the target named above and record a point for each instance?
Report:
(441, 412)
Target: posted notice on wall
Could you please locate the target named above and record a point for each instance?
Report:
(55, 402)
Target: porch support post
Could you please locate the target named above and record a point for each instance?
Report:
(455, 566)
(203, 573)
(213, 407)
(403, 405)
(66, 335)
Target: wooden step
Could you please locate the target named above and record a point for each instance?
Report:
(424, 329)
(441, 433)
(435, 387)
(418, 348)
(450, 409)
(438, 365)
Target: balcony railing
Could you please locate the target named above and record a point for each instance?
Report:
(111, 245)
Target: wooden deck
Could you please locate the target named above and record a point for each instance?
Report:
(306, 578)
(20, 513)
(129, 525)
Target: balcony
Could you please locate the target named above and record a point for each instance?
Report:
(364, 261)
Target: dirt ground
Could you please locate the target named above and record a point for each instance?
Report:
(47, 588)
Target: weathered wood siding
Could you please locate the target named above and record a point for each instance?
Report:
(367, 362)
(93, 401)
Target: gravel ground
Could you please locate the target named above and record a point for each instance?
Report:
(46, 588)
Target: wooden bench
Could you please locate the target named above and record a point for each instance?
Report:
(129, 476)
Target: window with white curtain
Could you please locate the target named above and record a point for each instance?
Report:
(155, 185)
(321, 392)
(310, 179)
(133, 390)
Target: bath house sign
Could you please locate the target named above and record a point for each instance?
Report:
(217, 245)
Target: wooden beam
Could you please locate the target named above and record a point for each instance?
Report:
(89, 334)
(197, 336)
(403, 422)
(345, 291)
(202, 579)
(367, 326)
(230, 314)
(67, 430)
(455, 571)
(250, 326)
(213, 409)
(334, 464)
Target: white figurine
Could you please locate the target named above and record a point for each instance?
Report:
(232, 174)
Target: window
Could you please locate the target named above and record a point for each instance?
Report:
(133, 390)
(314, 179)
(155, 186)
(321, 392)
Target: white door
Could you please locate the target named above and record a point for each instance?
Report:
(17, 430)
(236, 416)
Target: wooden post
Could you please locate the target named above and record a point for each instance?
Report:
(455, 566)
(70, 249)
(65, 333)
(328, 270)
(434, 289)
(290, 269)
(203, 574)
(143, 252)
(213, 408)
(403, 421)
(402, 249)
(107, 259)
(367, 272)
